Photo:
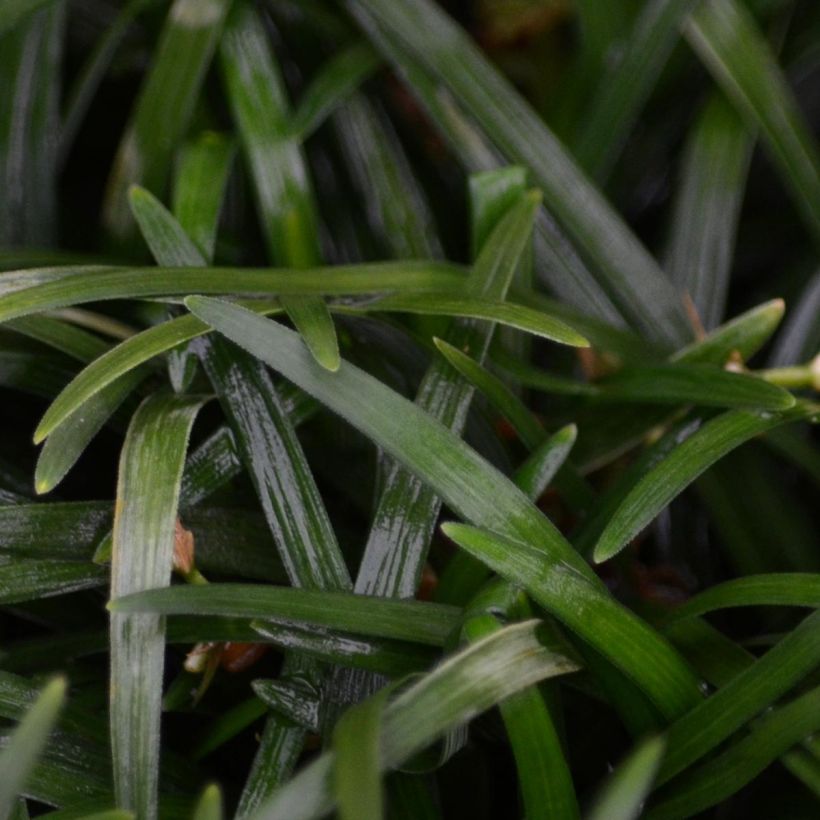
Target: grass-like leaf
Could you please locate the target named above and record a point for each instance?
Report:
(164, 107)
(422, 33)
(726, 37)
(623, 795)
(742, 698)
(334, 82)
(682, 466)
(721, 777)
(473, 488)
(281, 179)
(707, 210)
(357, 749)
(546, 783)
(622, 92)
(147, 493)
(403, 620)
(45, 289)
(20, 754)
(782, 589)
(466, 685)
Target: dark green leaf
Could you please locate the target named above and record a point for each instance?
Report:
(20, 753)
(625, 792)
(280, 177)
(381, 617)
(151, 464)
(726, 38)
(682, 466)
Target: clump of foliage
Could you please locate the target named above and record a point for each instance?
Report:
(419, 426)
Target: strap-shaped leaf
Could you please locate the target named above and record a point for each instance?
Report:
(280, 176)
(112, 367)
(675, 383)
(622, 91)
(773, 735)
(780, 589)
(707, 208)
(391, 658)
(165, 105)
(30, 76)
(357, 749)
(744, 697)
(726, 38)
(150, 472)
(397, 210)
(333, 83)
(623, 795)
(423, 34)
(545, 780)
(200, 187)
(477, 492)
(400, 533)
(20, 754)
(682, 466)
(465, 685)
(32, 291)
(381, 617)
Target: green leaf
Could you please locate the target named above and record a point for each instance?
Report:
(400, 534)
(268, 446)
(476, 491)
(418, 32)
(30, 75)
(113, 365)
(166, 238)
(523, 564)
(336, 80)
(31, 580)
(709, 784)
(526, 425)
(279, 173)
(624, 793)
(707, 208)
(390, 658)
(781, 589)
(406, 620)
(66, 772)
(726, 38)
(15, 11)
(164, 106)
(150, 472)
(293, 697)
(546, 460)
(199, 188)
(210, 804)
(681, 467)
(465, 685)
(398, 212)
(61, 336)
(67, 442)
(624, 89)
(676, 383)
(745, 696)
(20, 754)
(39, 289)
(357, 752)
(515, 316)
(545, 780)
(745, 334)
